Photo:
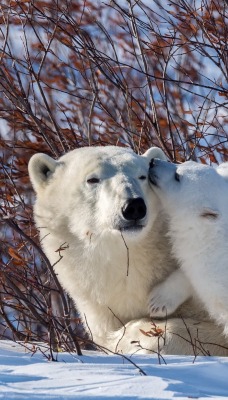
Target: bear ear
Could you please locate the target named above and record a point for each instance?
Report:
(222, 170)
(155, 152)
(40, 167)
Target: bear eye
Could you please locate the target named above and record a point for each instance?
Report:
(210, 214)
(142, 177)
(93, 180)
(177, 177)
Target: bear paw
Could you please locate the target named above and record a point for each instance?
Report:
(161, 303)
(166, 297)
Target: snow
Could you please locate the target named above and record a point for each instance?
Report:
(99, 376)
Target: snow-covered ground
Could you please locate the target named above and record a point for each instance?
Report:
(96, 375)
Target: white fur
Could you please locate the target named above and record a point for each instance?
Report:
(197, 203)
(108, 270)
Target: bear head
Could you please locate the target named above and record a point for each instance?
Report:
(95, 191)
(191, 190)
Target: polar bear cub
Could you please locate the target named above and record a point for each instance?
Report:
(196, 199)
(100, 227)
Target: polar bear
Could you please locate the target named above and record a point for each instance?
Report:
(104, 231)
(195, 197)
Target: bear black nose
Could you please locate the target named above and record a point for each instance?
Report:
(134, 209)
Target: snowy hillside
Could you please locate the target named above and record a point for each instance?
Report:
(96, 375)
